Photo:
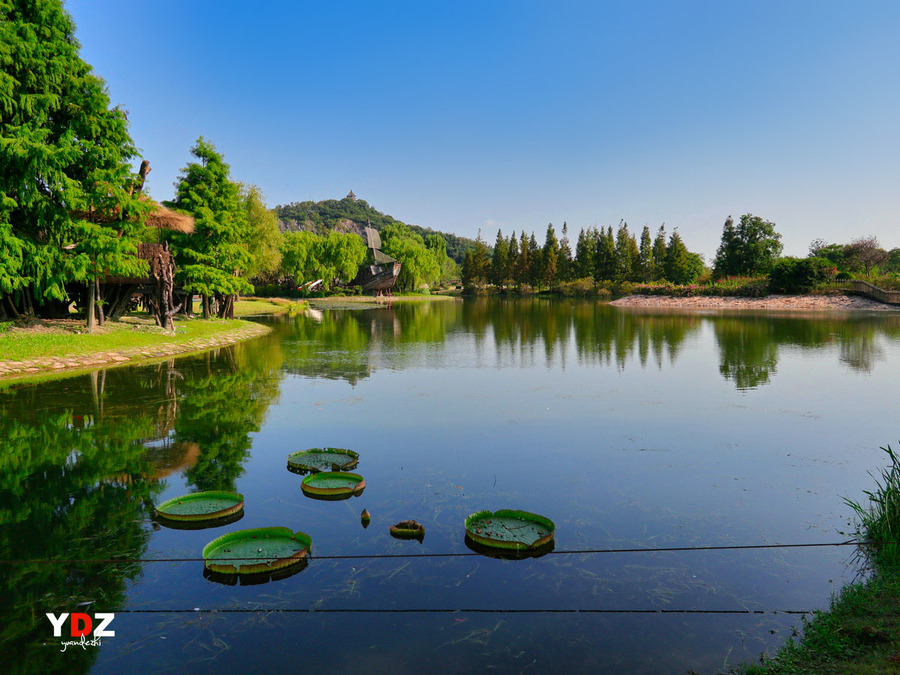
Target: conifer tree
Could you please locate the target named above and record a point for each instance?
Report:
(512, 259)
(215, 256)
(585, 255)
(550, 257)
(499, 262)
(606, 255)
(626, 254)
(564, 260)
(524, 265)
(646, 263)
(536, 270)
(660, 253)
(679, 266)
(68, 209)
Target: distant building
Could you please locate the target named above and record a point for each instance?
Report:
(350, 195)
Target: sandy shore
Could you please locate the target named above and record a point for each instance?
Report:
(781, 303)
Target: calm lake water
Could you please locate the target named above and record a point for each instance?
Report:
(630, 430)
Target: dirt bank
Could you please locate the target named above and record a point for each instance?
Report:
(781, 303)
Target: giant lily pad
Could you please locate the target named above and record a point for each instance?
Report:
(508, 529)
(333, 484)
(201, 506)
(315, 460)
(258, 551)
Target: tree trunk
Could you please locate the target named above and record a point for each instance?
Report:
(204, 300)
(91, 291)
(101, 319)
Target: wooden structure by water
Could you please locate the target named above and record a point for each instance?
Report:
(871, 291)
(379, 273)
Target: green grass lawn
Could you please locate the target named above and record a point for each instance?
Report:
(68, 338)
(254, 306)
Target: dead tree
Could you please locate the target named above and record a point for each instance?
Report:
(162, 282)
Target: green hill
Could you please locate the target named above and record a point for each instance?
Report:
(351, 214)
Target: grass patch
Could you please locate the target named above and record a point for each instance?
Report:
(254, 306)
(860, 633)
(68, 338)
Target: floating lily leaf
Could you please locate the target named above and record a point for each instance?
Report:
(322, 459)
(262, 550)
(201, 506)
(509, 529)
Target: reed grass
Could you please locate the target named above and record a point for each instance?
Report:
(879, 522)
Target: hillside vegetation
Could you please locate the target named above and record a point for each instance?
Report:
(351, 214)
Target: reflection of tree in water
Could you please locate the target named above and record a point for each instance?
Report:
(748, 354)
(224, 400)
(80, 466)
(70, 489)
(602, 334)
(349, 344)
(748, 345)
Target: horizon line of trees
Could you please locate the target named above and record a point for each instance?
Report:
(600, 255)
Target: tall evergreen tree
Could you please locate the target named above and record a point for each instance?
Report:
(500, 261)
(524, 265)
(536, 271)
(564, 265)
(646, 263)
(512, 259)
(585, 254)
(680, 268)
(606, 255)
(214, 257)
(68, 209)
(660, 253)
(550, 257)
(626, 254)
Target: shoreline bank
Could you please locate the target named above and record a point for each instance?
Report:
(780, 303)
(167, 346)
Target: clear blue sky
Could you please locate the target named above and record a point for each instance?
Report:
(469, 115)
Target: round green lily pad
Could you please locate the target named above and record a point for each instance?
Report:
(333, 484)
(315, 460)
(257, 551)
(509, 529)
(201, 506)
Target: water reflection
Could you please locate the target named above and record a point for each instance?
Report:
(350, 345)
(82, 463)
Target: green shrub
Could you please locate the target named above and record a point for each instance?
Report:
(798, 275)
(5, 326)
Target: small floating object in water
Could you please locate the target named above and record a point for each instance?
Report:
(365, 518)
(333, 485)
(262, 550)
(200, 507)
(322, 459)
(408, 529)
(510, 529)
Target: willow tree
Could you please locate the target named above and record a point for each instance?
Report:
(68, 209)
(213, 258)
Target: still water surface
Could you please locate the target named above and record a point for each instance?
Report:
(630, 430)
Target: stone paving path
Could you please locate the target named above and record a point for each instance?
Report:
(50, 364)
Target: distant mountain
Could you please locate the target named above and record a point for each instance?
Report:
(351, 214)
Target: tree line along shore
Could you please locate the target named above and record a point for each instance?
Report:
(76, 224)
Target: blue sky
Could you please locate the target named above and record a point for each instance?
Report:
(471, 115)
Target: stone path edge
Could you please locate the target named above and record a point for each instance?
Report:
(12, 370)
